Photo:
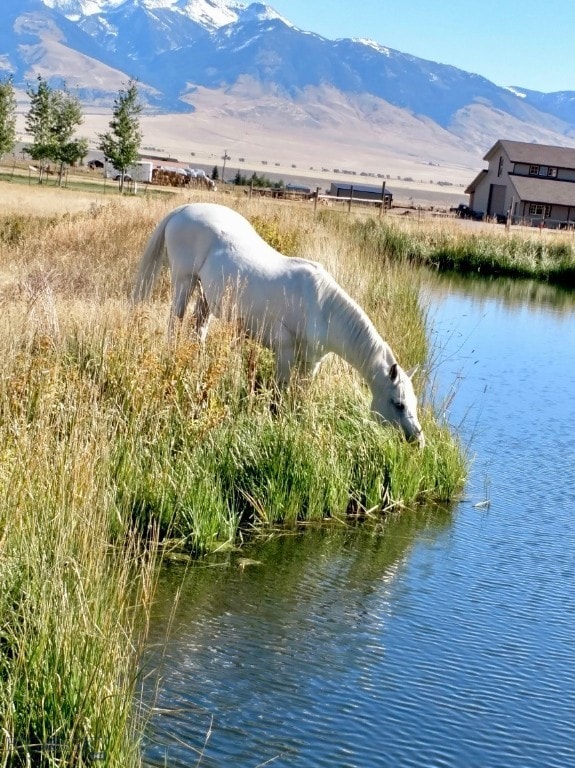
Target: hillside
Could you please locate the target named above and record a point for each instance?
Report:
(221, 75)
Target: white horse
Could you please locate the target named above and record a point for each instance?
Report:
(290, 305)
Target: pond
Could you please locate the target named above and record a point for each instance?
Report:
(438, 638)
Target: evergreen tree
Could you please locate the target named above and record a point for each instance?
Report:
(7, 116)
(215, 175)
(121, 144)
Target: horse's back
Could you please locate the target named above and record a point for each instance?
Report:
(213, 216)
(221, 247)
(207, 230)
(225, 225)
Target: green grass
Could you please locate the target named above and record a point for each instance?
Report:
(75, 183)
(549, 257)
(311, 461)
(71, 620)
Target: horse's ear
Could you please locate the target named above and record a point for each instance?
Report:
(393, 372)
(412, 371)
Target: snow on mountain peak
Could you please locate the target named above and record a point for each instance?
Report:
(212, 14)
(516, 91)
(263, 12)
(209, 13)
(76, 8)
(372, 44)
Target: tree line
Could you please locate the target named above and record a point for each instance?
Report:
(52, 122)
(257, 180)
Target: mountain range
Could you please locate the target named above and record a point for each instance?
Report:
(246, 64)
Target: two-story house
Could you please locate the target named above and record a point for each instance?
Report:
(534, 183)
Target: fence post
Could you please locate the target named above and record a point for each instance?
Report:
(509, 214)
(382, 209)
(315, 201)
(350, 199)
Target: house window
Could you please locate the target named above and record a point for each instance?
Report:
(534, 170)
(540, 209)
(500, 168)
(552, 172)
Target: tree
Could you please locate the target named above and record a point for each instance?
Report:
(7, 116)
(39, 124)
(121, 144)
(70, 153)
(263, 181)
(67, 115)
(215, 174)
(51, 121)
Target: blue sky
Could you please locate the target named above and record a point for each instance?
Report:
(529, 43)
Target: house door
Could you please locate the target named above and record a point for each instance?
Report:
(496, 203)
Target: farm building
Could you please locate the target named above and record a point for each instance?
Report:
(368, 192)
(534, 183)
(298, 189)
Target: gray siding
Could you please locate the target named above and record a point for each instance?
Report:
(508, 184)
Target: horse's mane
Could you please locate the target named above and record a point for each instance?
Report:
(362, 338)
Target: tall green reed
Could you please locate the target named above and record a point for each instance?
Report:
(450, 248)
(71, 618)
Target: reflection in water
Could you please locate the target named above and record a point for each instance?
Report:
(261, 655)
(510, 292)
(437, 639)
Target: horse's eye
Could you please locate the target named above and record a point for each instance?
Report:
(400, 406)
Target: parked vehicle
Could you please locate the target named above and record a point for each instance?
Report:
(465, 212)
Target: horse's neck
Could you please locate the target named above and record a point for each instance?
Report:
(353, 337)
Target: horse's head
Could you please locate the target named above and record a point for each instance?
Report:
(394, 401)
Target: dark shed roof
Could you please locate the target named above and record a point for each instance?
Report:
(346, 186)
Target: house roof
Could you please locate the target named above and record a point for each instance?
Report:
(534, 154)
(535, 190)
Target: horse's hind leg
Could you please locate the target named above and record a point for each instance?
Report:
(202, 314)
(182, 288)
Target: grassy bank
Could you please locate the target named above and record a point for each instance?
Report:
(446, 246)
(114, 442)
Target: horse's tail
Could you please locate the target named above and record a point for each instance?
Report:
(152, 260)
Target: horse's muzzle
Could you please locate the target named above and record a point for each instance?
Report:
(418, 437)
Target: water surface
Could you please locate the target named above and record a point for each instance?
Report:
(439, 638)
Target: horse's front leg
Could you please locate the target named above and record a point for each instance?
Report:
(294, 357)
(284, 349)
